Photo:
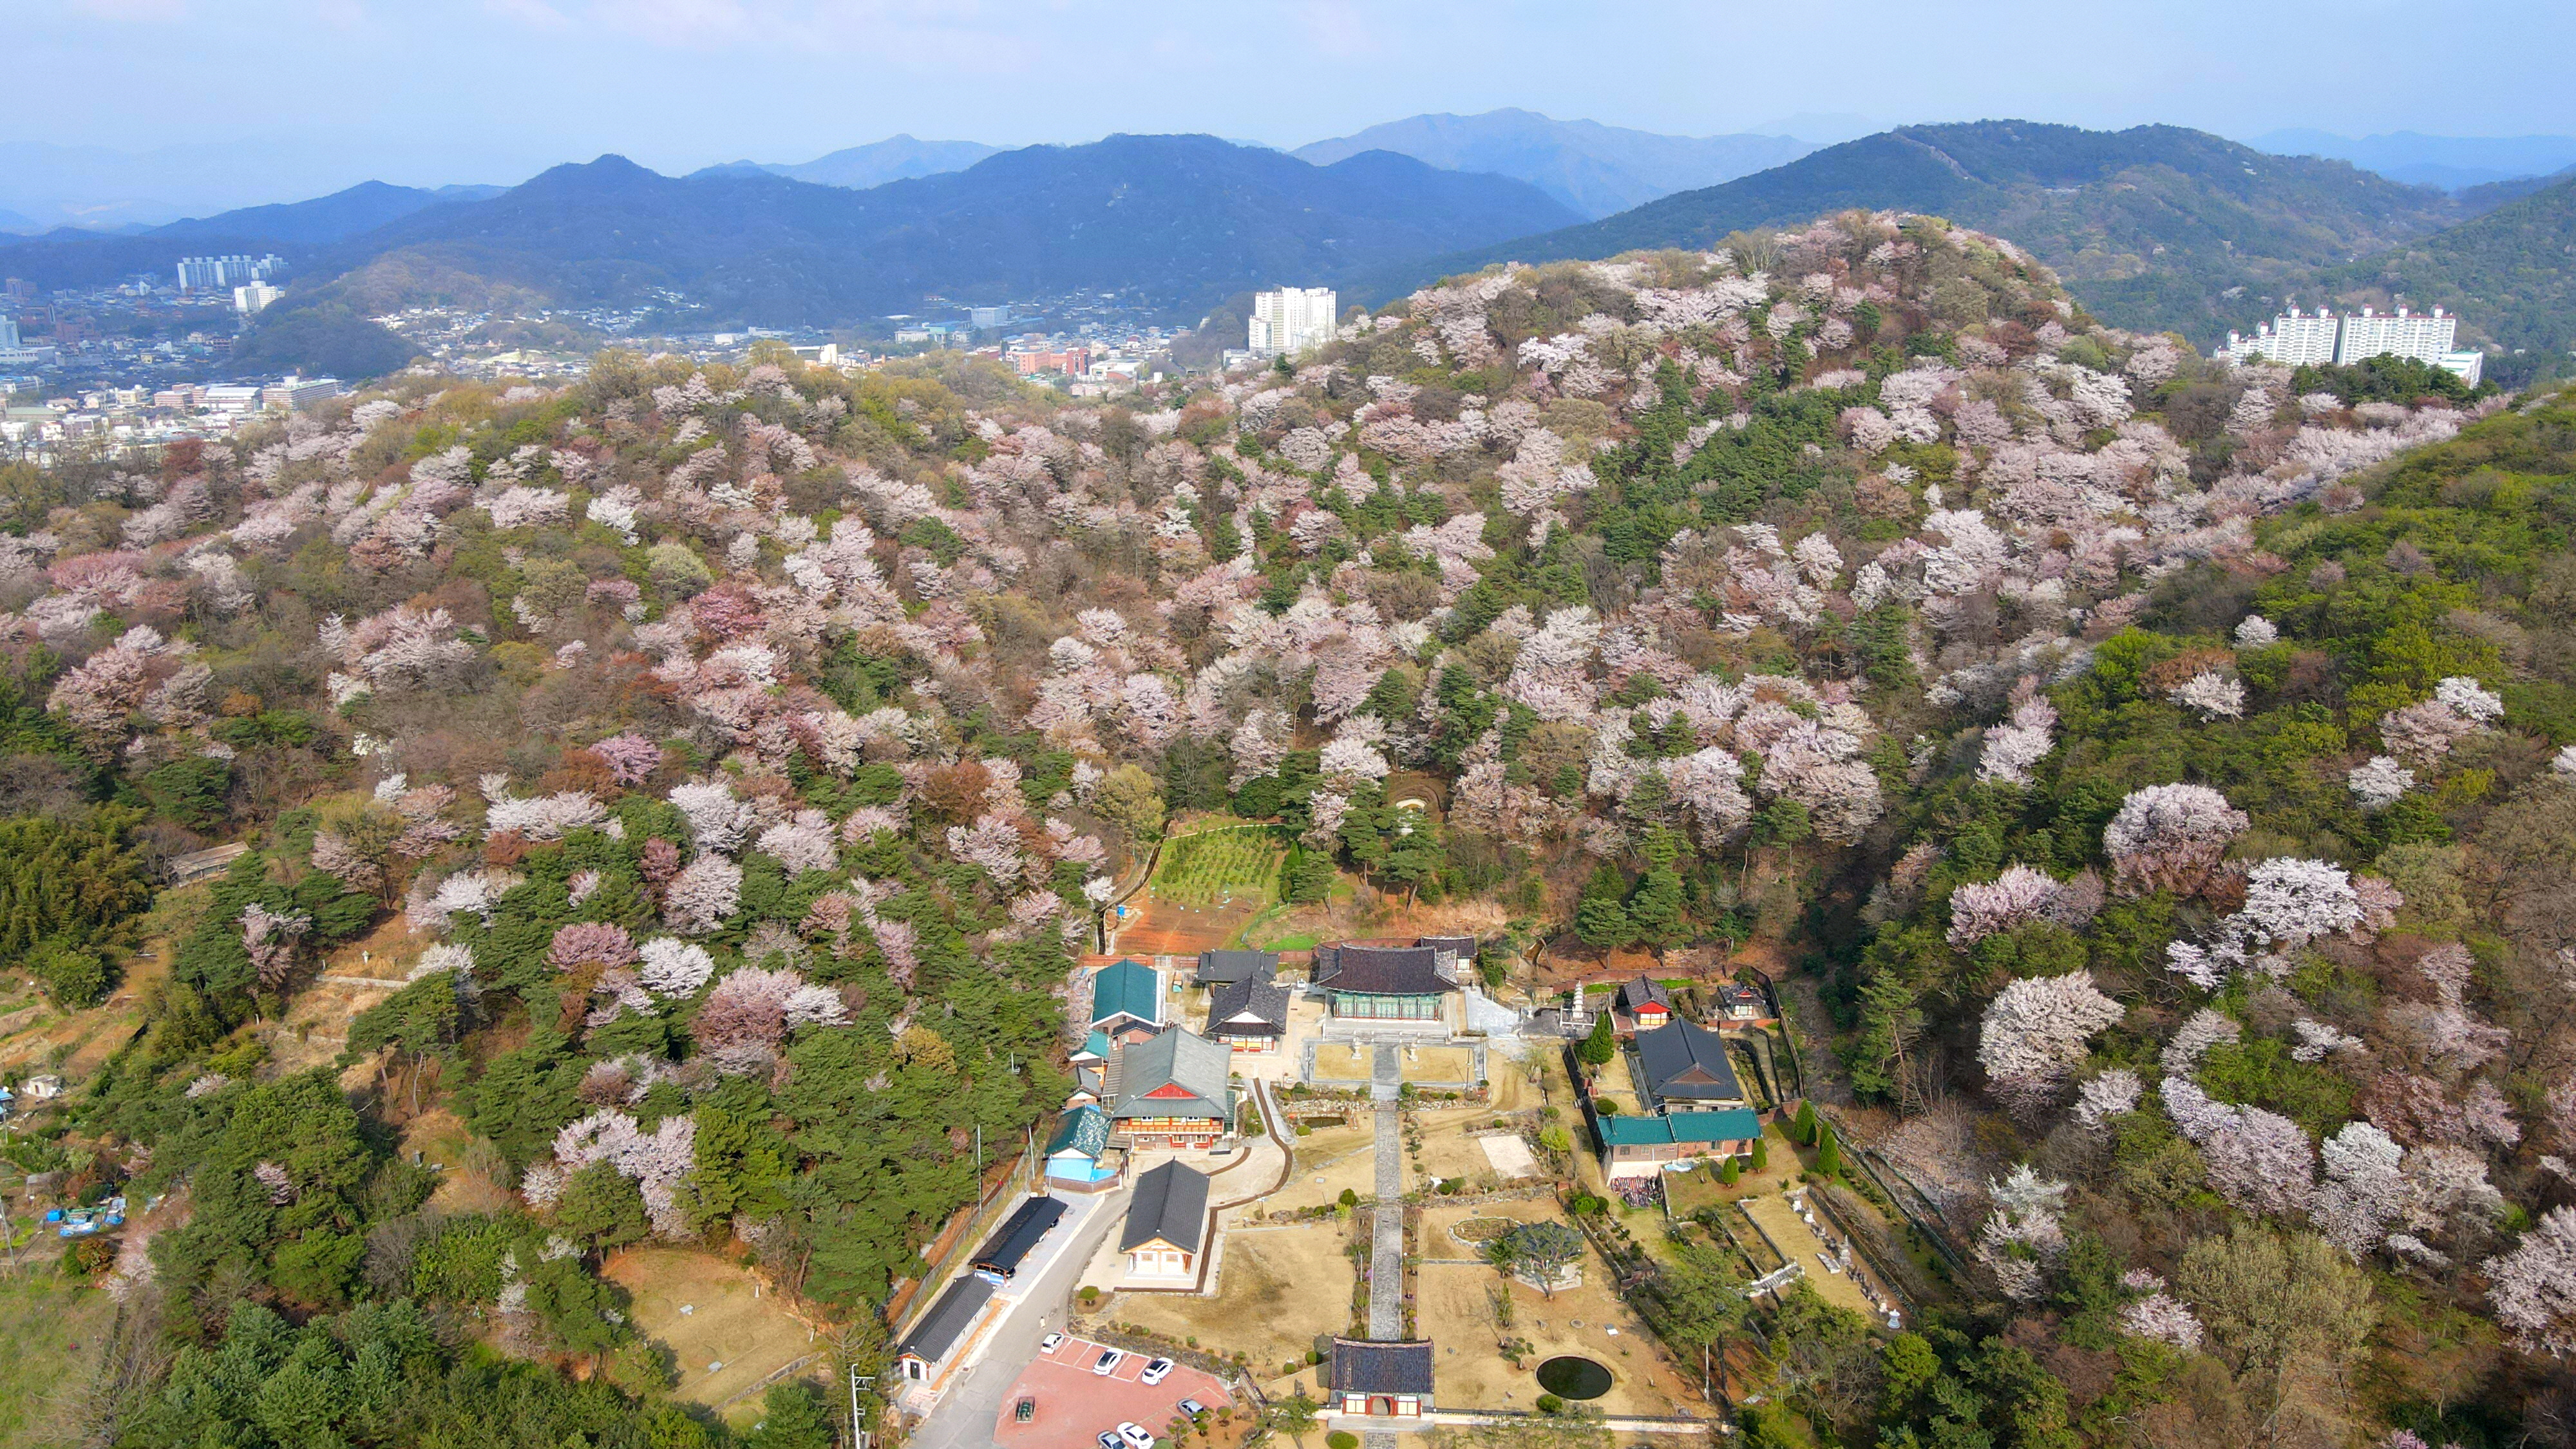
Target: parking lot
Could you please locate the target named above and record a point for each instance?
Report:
(1075, 1406)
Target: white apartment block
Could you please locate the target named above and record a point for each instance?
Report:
(2315, 340)
(1291, 320)
(222, 274)
(2294, 339)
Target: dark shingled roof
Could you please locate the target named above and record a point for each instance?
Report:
(1362, 1367)
(1170, 1204)
(1265, 1001)
(1224, 968)
(1009, 1246)
(1644, 991)
(1687, 1061)
(1381, 970)
(947, 1320)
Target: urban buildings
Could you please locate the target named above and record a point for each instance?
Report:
(1072, 361)
(252, 299)
(2300, 339)
(1291, 320)
(222, 274)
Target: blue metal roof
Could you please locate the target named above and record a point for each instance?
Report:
(1730, 1124)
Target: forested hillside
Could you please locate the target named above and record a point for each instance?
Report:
(2153, 227)
(2161, 773)
(2506, 274)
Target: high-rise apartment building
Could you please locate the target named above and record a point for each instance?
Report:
(222, 274)
(1291, 320)
(8, 331)
(254, 298)
(2294, 338)
(2304, 341)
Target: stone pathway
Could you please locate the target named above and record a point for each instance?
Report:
(1386, 1256)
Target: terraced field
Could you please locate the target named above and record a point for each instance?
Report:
(1234, 866)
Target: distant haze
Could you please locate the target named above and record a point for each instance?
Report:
(251, 101)
(2450, 162)
(1594, 169)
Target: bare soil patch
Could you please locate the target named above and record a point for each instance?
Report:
(1455, 1311)
(1278, 1291)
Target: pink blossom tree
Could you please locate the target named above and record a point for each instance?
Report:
(702, 895)
(2170, 837)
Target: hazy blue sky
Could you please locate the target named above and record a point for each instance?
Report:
(446, 90)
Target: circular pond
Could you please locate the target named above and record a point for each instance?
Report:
(1570, 1377)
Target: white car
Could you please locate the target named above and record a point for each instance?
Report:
(1107, 1363)
(1157, 1371)
(1136, 1436)
(1050, 1343)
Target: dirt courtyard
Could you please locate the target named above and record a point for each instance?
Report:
(1455, 1311)
(1279, 1290)
(1328, 1160)
(1157, 927)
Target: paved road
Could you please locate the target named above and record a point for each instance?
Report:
(1386, 1255)
(965, 1418)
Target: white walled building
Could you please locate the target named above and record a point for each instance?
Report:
(223, 273)
(2294, 339)
(254, 298)
(2299, 340)
(1291, 320)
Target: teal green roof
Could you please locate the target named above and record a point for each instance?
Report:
(1731, 1124)
(1085, 1130)
(1095, 1045)
(1126, 989)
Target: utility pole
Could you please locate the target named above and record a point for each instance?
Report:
(859, 1437)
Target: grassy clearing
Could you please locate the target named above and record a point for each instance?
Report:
(1220, 867)
(751, 1336)
(50, 1331)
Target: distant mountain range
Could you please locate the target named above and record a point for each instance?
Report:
(2152, 226)
(2155, 227)
(79, 257)
(2450, 162)
(1173, 223)
(326, 219)
(896, 158)
(1595, 170)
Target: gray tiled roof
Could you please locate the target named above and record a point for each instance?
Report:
(1224, 968)
(940, 1328)
(1265, 1002)
(1364, 1367)
(1170, 1204)
(1176, 1058)
(1687, 1061)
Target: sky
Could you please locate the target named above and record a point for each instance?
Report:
(280, 99)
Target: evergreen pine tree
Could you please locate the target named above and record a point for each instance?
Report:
(1598, 1048)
